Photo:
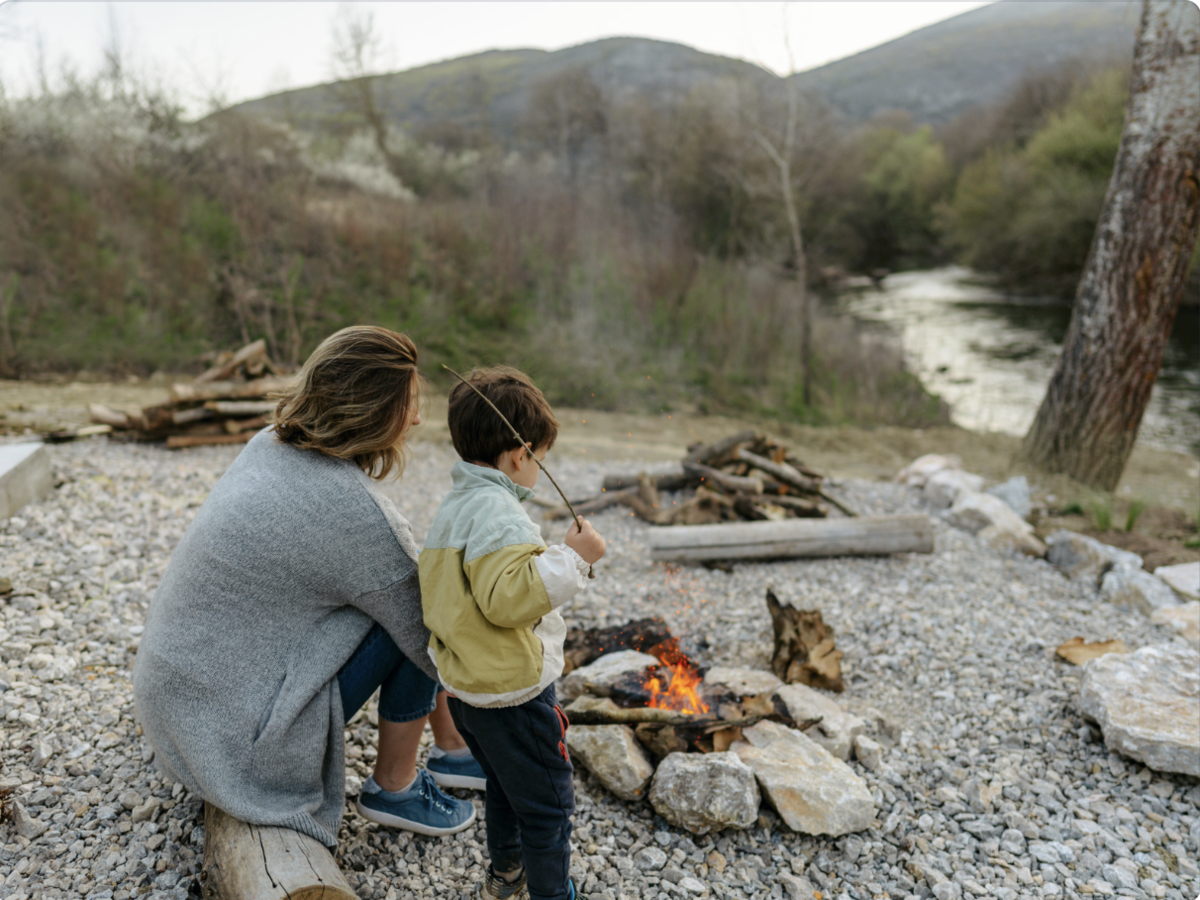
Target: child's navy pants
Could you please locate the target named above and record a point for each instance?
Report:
(530, 795)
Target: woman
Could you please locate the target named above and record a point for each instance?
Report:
(290, 599)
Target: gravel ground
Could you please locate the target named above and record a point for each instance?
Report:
(992, 784)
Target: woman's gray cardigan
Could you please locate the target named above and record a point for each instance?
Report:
(275, 584)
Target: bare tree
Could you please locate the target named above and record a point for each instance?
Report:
(357, 54)
(566, 112)
(1135, 273)
(780, 148)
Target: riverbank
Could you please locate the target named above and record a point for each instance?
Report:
(1167, 483)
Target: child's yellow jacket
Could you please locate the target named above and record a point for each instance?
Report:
(490, 591)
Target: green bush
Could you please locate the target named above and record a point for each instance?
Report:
(1028, 213)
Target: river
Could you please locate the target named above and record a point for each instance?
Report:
(990, 355)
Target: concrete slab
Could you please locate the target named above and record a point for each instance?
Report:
(1184, 578)
(24, 476)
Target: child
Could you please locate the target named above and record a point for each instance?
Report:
(491, 589)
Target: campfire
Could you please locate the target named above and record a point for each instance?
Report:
(669, 705)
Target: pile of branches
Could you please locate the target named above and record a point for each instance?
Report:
(225, 405)
(745, 477)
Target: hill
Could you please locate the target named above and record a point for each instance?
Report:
(933, 73)
(939, 71)
(492, 89)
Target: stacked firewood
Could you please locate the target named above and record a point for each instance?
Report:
(225, 405)
(745, 477)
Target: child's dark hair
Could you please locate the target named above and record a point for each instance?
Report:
(478, 433)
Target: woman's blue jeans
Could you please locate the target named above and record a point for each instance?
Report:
(405, 692)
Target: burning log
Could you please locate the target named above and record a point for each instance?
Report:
(804, 648)
(794, 538)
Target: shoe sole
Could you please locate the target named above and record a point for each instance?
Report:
(458, 781)
(383, 818)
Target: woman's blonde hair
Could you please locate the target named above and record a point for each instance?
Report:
(353, 399)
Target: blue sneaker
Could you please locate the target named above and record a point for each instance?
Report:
(423, 808)
(457, 772)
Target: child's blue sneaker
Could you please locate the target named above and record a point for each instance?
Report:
(456, 771)
(423, 808)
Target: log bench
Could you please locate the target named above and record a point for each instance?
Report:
(260, 862)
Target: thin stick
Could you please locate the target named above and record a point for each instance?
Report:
(503, 418)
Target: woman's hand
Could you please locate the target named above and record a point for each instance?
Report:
(584, 540)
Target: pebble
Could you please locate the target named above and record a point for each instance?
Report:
(956, 646)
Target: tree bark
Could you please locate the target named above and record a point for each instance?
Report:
(1134, 277)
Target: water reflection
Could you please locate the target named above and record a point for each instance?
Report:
(991, 356)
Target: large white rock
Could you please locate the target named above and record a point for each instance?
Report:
(1014, 492)
(944, 487)
(837, 729)
(920, 469)
(1137, 589)
(614, 756)
(743, 682)
(1147, 704)
(24, 476)
(1080, 557)
(1004, 540)
(1184, 579)
(705, 792)
(603, 672)
(974, 512)
(812, 791)
(1184, 619)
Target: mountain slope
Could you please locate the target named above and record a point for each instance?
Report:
(974, 58)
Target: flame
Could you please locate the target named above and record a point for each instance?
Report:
(680, 692)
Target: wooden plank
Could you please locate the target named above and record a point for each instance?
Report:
(710, 454)
(227, 390)
(795, 537)
(103, 415)
(256, 350)
(734, 483)
(260, 862)
(241, 407)
(182, 441)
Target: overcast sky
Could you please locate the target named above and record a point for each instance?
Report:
(239, 50)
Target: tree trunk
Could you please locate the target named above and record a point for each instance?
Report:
(1134, 277)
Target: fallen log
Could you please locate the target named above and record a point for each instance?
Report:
(780, 472)
(237, 426)
(795, 537)
(182, 441)
(672, 481)
(227, 390)
(259, 862)
(713, 454)
(735, 484)
(805, 509)
(596, 504)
